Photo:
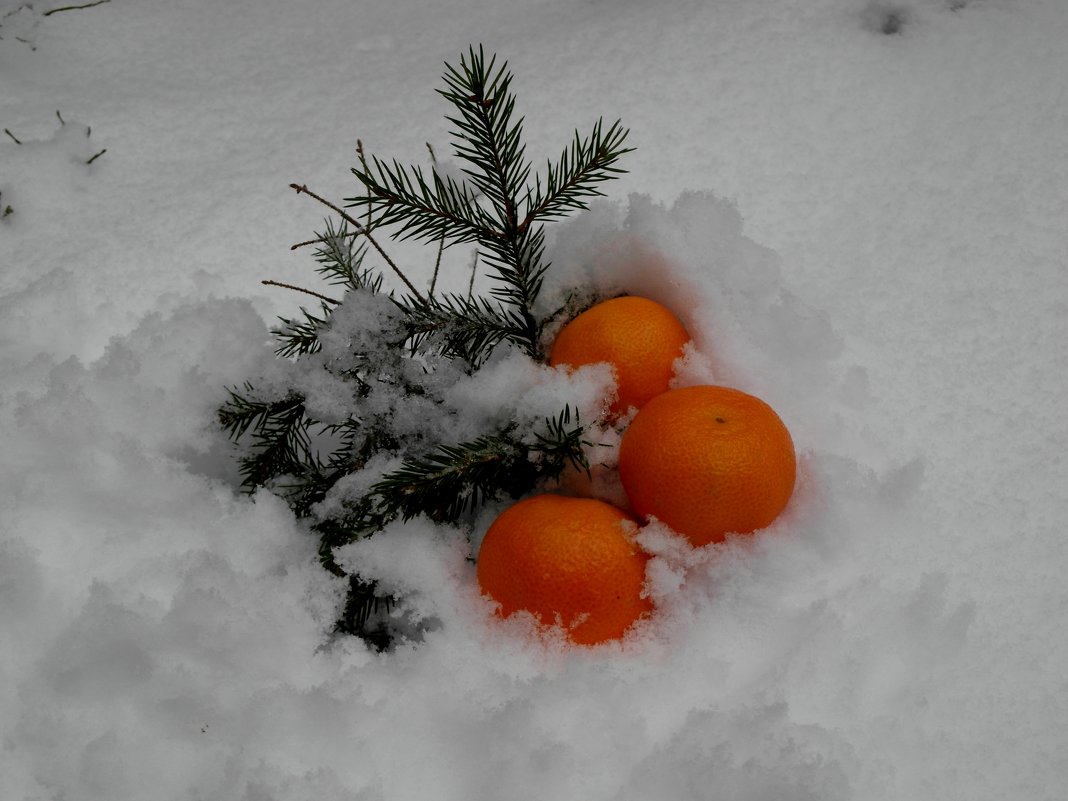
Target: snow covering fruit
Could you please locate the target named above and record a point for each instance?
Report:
(708, 461)
(640, 339)
(566, 560)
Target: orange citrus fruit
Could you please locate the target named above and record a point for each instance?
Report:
(566, 560)
(708, 461)
(640, 339)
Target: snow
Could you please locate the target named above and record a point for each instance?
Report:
(864, 229)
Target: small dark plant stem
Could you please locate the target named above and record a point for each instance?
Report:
(363, 163)
(98, 155)
(300, 188)
(74, 8)
(441, 242)
(321, 240)
(269, 282)
(471, 283)
(437, 266)
(13, 137)
(60, 118)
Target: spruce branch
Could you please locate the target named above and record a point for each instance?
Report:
(498, 204)
(449, 480)
(364, 230)
(300, 337)
(362, 603)
(454, 478)
(438, 209)
(341, 259)
(280, 440)
(485, 136)
(518, 266)
(585, 164)
(281, 448)
(491, 143)
(459, 327)
(562, 444)
(485, 208)
(243, 410)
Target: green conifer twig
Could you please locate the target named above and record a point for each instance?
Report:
(500, 205)
(451, 479)
(341, 260)
(300, 337)
(494, 207)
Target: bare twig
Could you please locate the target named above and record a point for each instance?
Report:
(323, 240)
(13, 137)
(441, 242)
(471, 283)
(300, 188)
(301, 289)
(60, 117)
(74, 8)
(437, 265)
(363, 163)
(98, 155)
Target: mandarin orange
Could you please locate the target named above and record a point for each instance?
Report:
(566, 560)
(708, 461)
(640, 338)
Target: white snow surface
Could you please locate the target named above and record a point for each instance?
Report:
(866, 229)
